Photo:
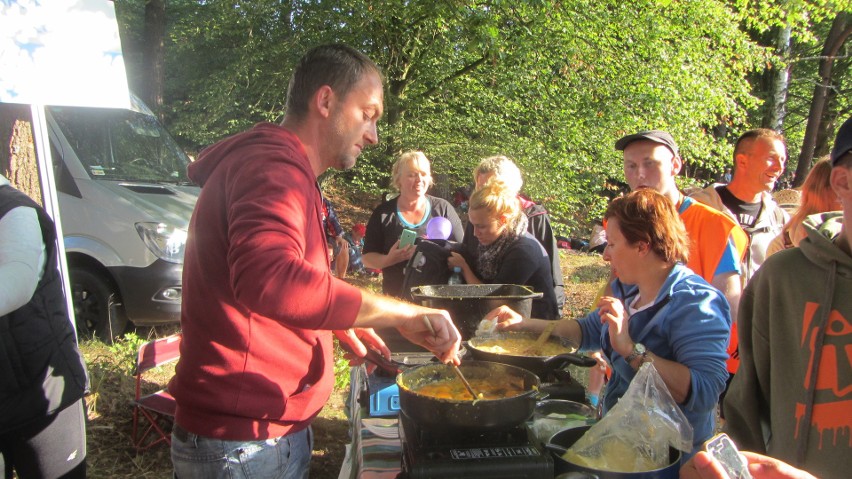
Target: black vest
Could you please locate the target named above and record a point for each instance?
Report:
(41, 369)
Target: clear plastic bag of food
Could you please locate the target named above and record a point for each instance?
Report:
(635, 435)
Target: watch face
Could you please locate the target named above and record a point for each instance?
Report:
(639, 348)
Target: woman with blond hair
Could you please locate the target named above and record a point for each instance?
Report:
(412, 209)
(538, 220)
(817, 197)
(506, 252)
(660, 312)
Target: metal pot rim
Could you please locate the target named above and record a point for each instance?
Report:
(472, 343)
(404, 377)
(603, 473)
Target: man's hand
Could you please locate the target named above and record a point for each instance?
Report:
(434, 330)
(353, 341)
(704, 466)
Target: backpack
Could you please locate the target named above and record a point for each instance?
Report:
(428, 264)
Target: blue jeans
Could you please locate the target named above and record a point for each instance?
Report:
(199, 457)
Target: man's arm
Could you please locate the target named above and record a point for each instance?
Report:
(730, 285)
(726, 277)
(440, 336)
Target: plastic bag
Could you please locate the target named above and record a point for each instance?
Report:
(635, 435)
(486, 327)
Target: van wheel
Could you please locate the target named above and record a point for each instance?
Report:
(97, 306)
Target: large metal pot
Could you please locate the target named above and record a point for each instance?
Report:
(482, 415)
(469, 303)
(539, 365)
(567, 437)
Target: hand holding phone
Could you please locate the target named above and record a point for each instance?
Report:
(407, 238)
(723, 449)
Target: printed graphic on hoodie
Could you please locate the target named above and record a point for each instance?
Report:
(832, 409)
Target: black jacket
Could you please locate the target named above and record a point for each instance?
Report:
(41, 369)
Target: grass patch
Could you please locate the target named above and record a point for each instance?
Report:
(585, 275)
(110, 453)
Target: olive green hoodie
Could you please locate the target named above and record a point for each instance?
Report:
(792, 396)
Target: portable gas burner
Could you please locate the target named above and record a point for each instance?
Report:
(379, 393)
(509, 454)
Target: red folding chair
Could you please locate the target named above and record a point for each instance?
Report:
(157, 409)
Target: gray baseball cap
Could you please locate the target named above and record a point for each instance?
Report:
(657, 136)
(843, 142)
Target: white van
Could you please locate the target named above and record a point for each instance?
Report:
(125, 203)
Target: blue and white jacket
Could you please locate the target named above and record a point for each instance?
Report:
(689, 323)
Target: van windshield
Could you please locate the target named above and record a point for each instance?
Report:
(125, 145)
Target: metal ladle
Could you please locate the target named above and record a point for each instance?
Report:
(455, 368)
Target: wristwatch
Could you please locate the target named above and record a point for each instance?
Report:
(638, 350)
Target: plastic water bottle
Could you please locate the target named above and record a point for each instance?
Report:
(456, 277)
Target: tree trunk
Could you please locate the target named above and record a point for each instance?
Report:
(153, 55)
(779, 82)
(18, 161)
(840, 31)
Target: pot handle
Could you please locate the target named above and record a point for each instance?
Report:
(556, 448)
(560, 360)
(381, 362)
(389, 366)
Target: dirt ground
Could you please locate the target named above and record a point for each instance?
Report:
(110, 453)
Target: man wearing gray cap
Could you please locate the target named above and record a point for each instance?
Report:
(717, 243)
(791, 398)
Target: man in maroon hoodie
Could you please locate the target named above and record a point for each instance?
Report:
(259, 302)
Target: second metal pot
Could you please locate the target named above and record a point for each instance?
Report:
(540, 365)
(566, 438)
(482, 415)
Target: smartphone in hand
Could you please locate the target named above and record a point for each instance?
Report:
(407, 238)
(723, 449)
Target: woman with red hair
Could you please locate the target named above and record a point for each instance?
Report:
(817, 197)
(660, 312)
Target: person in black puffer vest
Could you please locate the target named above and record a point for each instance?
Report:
(42, 375)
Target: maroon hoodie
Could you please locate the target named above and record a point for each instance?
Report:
(259, 300)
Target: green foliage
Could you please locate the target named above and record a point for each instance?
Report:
(550, 84)
(804, 61)
(341, 368)
(124, 352)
